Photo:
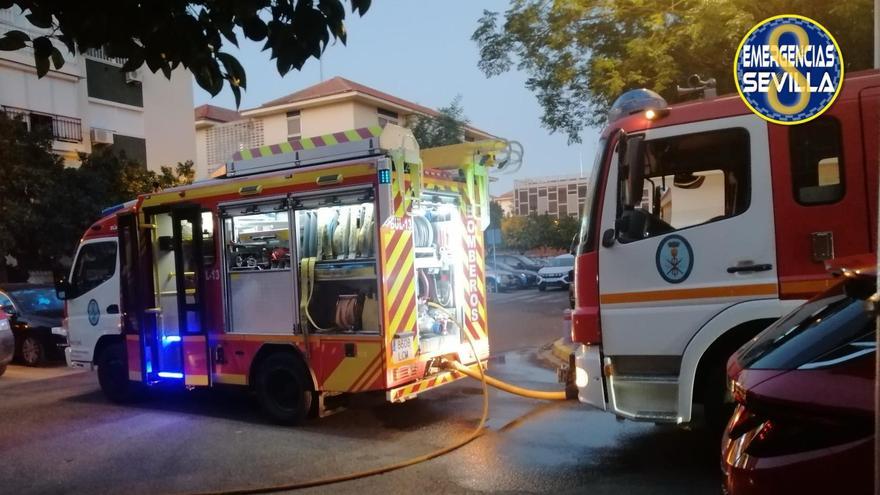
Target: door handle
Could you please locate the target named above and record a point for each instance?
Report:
(113, 309)
(750, 268)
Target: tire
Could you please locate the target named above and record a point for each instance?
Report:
(113, 375)
(718, 406)
(542, 287)
(492, 286)
(283, 390)
(2, 369)
(32, 351)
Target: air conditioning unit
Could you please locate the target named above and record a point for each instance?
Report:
(101, 136)
(133, 76)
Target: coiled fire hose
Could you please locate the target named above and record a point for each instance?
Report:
(477, 431)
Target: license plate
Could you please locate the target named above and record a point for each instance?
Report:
(402, 348)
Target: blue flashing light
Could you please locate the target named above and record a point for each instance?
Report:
(385, 176)
(112, 209)
(169, 374)
(167, 339)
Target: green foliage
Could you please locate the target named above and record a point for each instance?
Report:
(171, 33)
(445, 128)
(580, 55)
(45, 207)
(534, 231)
(496, 214)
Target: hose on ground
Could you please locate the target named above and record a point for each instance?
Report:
(477, 431)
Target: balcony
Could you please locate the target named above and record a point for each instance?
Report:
(67, 129)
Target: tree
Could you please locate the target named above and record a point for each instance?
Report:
(580, 55)
(45, 207)
(165, 34)
(445, 128)
(496, 214)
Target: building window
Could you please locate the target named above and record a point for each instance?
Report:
(61, 128)
(106, 82)
(387, 117)
(133, 148)
(294, 125)
(816, 161)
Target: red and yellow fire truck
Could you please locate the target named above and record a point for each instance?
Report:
(323, 266)
(706, 223)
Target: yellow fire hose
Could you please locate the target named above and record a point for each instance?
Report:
(478, 430)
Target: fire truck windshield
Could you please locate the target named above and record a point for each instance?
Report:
(587, 241)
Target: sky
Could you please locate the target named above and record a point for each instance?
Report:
(421, 51)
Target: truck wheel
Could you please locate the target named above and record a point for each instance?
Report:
(718, 405)
(33, 351)
(113, 375)
(283, 390)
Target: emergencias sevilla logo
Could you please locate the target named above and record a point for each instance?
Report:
(788, 69)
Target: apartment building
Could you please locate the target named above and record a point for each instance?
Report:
(334, 105)
(505, 201)
(556, 196)
(91, 103)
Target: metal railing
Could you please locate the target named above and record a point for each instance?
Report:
(63, 128)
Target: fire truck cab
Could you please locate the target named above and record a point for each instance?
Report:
(319, 267)
(706, 223)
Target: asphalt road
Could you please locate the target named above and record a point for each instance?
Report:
(59, 435)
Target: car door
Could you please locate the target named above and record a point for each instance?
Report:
(715, 246)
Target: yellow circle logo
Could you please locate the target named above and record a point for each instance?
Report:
(788, 69)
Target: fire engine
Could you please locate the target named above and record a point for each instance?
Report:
(706, 223)
(315, 268)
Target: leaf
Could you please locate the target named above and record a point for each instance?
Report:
(360, 6)
(236, 92)
(42, 20)
(13, 40)
(134, 61)
(234, 70)
(254, 28)
(57, 58)
(208, 76)
(42, 51)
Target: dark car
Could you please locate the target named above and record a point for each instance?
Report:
(34, 310)
(525, 278)
(7, 342)
(804, 389)
(520, 262)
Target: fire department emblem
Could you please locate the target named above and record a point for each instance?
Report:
(788, 69)
(94, 312)
(675, 258)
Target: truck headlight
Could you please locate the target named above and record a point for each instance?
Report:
(581, 378)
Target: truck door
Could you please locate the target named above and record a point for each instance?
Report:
(694, 237)
(93, 310)
(820, 193)
(177, 348)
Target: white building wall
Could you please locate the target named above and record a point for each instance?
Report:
(168, 118)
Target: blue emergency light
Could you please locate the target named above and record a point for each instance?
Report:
(385, 176)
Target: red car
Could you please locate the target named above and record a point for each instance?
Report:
(804, 388)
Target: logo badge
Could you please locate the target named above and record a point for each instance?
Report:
(94, 312)
(675, 258)
(788, 69)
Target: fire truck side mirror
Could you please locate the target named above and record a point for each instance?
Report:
(608, 238)
(633, 160)
(63, 290)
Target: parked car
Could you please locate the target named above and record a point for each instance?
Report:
(557, 273)
(525, 278)
(500, 280)
(519, 262)
(804, 391)
(7, 342)
(34, 310)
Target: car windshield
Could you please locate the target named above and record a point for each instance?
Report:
(815, 329)
(38, 301)
(504, 266)
(565, 261)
